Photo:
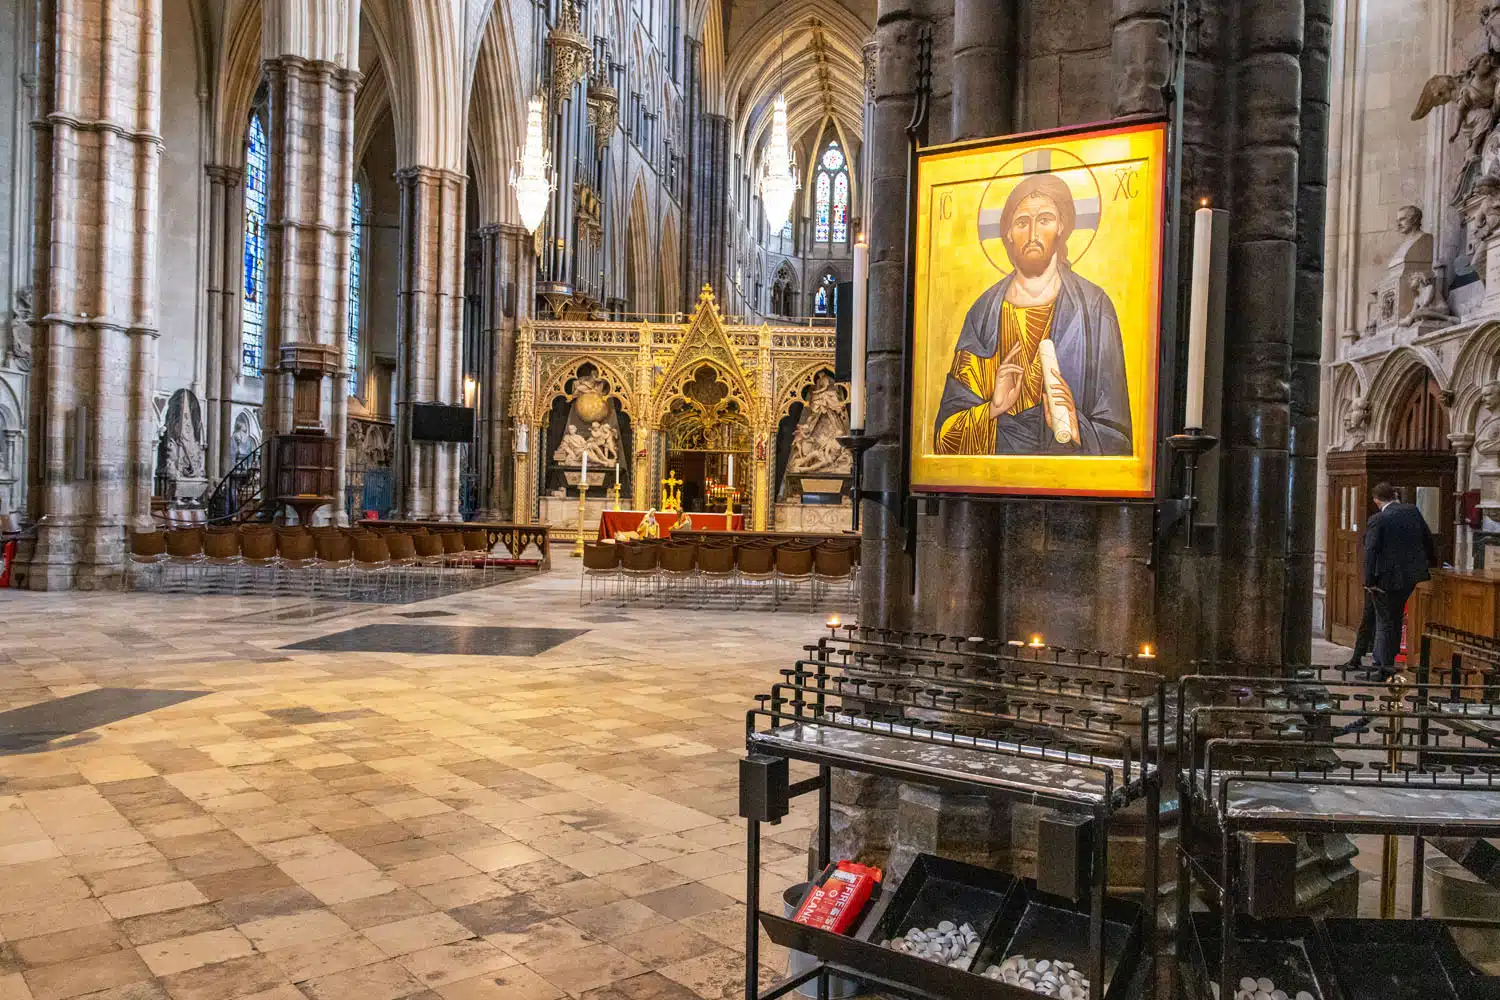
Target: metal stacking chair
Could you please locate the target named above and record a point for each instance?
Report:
(403, 555)
(677, 566)
(601, 561)
(372, 561)
(638, 564)
(454, 550)
(185, 550)
(221, 549)
(148, 554)
(258, 551)
(755, 564)
(794, 564)
(477, 550)
(296, 558)
(430, 556)
(335, 553)
(833, 563)
(715, 568)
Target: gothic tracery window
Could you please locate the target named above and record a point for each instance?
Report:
(823, 297)
(356, 262)
(253, 314)
(831, 196)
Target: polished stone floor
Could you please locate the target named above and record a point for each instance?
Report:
(458, 806)
(493, 795)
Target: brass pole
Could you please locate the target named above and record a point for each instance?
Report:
(583, 493)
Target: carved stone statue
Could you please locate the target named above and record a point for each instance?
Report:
(1473, 93)
(1415, 246)
(570, 450)
(183, 443)
(1428, 304)
(20, 330)
(815, 446)
(1356, 419)
(604, 444)
(1487, 440)
(1482, 219)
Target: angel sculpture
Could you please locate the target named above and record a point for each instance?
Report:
(1473, 92)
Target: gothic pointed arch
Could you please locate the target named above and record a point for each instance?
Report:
(639, 284)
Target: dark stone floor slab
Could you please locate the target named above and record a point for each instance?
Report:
(33, 725)
(425, 614)
(463, 640)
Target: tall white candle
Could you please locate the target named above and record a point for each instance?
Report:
(1203, 242)
(731, 470)
(585, 467)
(857, 349)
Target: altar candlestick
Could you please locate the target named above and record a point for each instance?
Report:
(731, 470)
(585, 466)
(1203, 240)
(857, 348)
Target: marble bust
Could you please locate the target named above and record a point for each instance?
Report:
(1415, 246)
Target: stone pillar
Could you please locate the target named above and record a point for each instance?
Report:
(225, 258)
(508, 271)
(308, 238)
(1463, 547)
(430, 332)
(885, 566)
(98, 153)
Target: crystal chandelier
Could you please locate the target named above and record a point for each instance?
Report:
(532, 177)
(778, 179)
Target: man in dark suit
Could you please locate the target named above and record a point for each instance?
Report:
(1398, 550)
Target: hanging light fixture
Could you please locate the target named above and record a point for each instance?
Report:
(532, 177)
(778, 178)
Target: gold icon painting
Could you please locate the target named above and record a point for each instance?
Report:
(1036, 314)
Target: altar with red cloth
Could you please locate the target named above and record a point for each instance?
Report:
(612, 522)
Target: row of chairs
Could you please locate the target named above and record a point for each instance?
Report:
(675, 569)
(383, 564)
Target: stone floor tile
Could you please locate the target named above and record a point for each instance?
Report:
(451, 963)
(242, 882)
(612, 920)
(515, 983)
(237, 977)
(402, 937)
(383, 909)
(587, 968)
(665, 944)
(275, 903)
(171, 924)
(153, 899)
(13, 987)
(270, 933)
(384, 981)
(47, 919)
(647, 986)
(194, 950)
(499, 856)
(717, 975)
(315, 959)
(683, 901)
(86, 975)
(439, 867)
(355, 885)
(705, 864)
(463, 891)
(546, 937)
(504, 915)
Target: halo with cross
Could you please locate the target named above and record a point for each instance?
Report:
(1088, 201)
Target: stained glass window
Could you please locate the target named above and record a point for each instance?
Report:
(831, 196)
(820, 301)
(253, 316)
(820, 231)
(356, 254)
(841, 207)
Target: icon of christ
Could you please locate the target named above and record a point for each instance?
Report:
(1039, 368)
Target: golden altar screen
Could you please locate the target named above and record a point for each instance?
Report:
(1037, 314)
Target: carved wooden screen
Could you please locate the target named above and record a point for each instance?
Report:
(1420, 417)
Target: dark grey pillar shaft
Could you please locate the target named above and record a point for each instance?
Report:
(1307, 329)
(885, 570)
(959, 558)
(1267, 113)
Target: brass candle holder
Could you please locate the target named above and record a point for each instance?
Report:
(583, 494)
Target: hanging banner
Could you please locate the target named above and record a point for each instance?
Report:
(1036, 314)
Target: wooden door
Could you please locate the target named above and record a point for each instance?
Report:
(1348, 508)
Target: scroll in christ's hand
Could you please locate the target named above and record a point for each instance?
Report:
(1061, 414)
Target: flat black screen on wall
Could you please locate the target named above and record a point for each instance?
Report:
(437, 422)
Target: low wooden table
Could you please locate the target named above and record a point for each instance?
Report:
(516, 537)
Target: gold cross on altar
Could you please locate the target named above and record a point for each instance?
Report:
(671, 498)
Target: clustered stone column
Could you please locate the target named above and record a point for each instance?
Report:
(308, 238)
(98, 146)
(430, 333)
(507, 289)
(706, 196)
(225, 236)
